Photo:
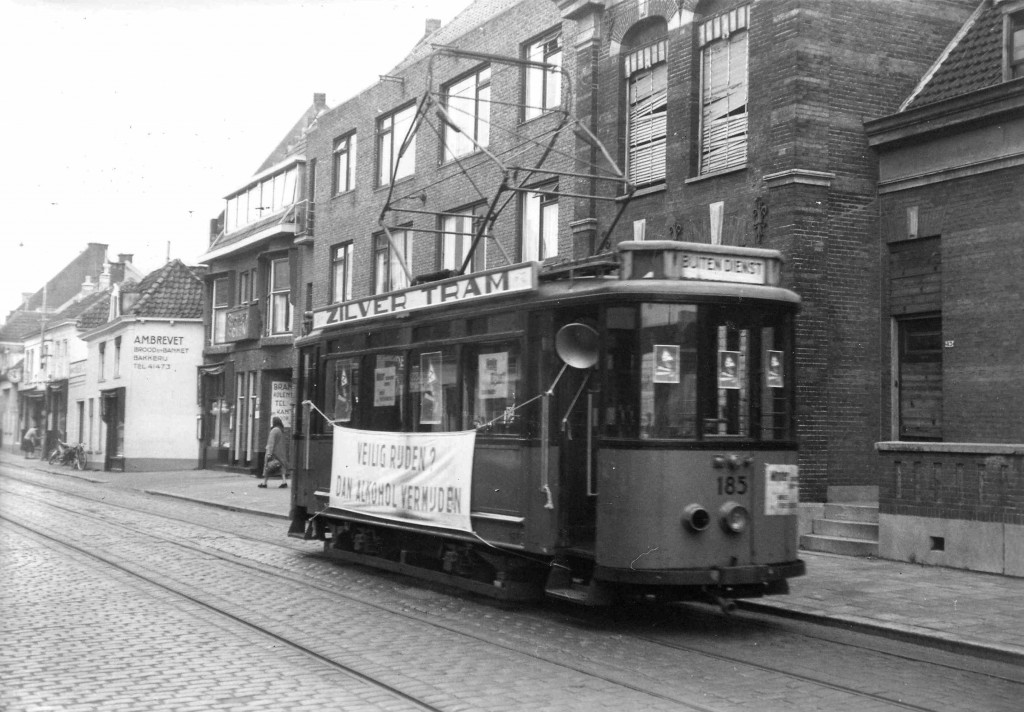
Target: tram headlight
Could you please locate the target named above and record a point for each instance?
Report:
(696, 517)
(735, 517)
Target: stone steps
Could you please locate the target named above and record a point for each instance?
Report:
(846, 528)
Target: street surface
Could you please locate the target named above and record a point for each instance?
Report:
(118, 600)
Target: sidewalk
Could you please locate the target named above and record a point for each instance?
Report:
(947, 608)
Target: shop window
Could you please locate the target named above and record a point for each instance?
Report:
(919, 378)
(279, 297)
(392, 132)
(540, 223)
(723, 92)
(542, 86)
(458, 232)
(492, 378)
(468, 103)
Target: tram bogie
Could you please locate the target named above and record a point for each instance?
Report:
(586, 439)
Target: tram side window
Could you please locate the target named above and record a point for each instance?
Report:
(776, 385)
(388, 405)
(621, 369)
(492, 377)
(668, 371)
(341, 378)
(436, 405)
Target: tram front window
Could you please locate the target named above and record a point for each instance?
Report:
(668, 371)
(698, 372)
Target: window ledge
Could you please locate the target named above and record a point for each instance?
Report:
(350, 191)
(278, 340)
(385, 186)
(650, 190)
(548, 112)
(908, 446)
(716, 174)
(455, 161)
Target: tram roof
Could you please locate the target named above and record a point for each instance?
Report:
(567, 291)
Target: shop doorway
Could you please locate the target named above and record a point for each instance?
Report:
(112, 413)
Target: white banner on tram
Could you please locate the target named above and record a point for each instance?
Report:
(417, 478)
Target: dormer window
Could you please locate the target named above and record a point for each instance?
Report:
(1015, 45)
(269, 195)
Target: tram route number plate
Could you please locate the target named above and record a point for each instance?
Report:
(781, 490)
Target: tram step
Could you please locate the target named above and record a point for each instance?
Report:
(574, 594)
(838, 545)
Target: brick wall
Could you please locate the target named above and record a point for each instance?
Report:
(816, 72)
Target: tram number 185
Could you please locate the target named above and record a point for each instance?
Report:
(732, 484)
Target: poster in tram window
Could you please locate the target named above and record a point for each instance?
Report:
(493, 376)
(384, 385)
(431, 392)
(773, 370)
(666, 363)
(343, 392)
(728, 370)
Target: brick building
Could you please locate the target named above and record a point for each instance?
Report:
(951, 191)
(738, 123)
(735, 123)
(251, 292)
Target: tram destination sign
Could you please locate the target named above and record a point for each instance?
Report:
(482, 285)
(722, 268)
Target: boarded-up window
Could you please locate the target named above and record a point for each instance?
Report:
(723, 132)
(647, 74)
(920, 378)
(915, 276)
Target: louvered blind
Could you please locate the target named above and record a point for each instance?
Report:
(648, 102)
(724, 92)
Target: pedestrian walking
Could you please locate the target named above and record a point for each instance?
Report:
(275, 456)
(30, 441)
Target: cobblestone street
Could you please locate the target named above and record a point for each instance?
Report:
(165, 604)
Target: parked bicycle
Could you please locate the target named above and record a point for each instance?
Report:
(71, 455)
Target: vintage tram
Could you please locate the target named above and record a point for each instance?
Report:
(616, 427)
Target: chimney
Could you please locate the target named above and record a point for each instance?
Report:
(125, 257)
(88, 286)
(433, 25)
(26, 297)
(104, 282)
(320, 100)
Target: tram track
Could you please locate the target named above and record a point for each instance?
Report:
(585, 669)
(238, 620)
(260, 569)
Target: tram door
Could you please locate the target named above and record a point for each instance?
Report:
(572, 430)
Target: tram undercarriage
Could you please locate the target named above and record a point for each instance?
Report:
(512, 576)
